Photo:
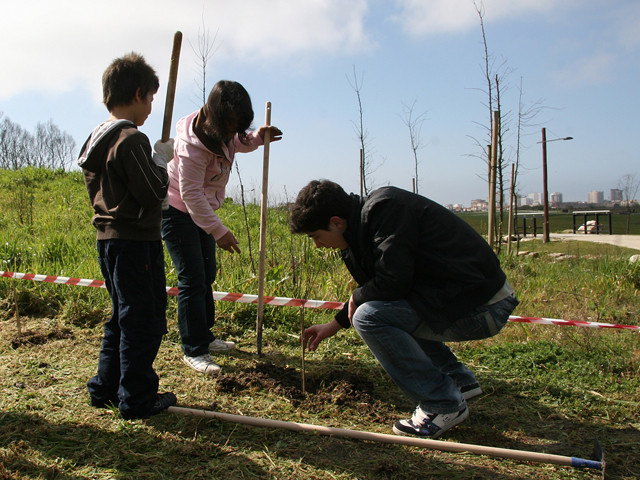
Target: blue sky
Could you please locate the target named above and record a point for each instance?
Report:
(579, 58)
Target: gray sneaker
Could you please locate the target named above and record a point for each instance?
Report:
(218, 346)
(203, 364)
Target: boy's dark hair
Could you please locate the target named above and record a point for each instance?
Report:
(122, 79)
(228, 102)
(316, 204)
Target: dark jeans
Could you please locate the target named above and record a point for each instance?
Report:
(193, 252)
(134, 276)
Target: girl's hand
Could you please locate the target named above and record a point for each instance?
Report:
(274, 133)
(228, 242)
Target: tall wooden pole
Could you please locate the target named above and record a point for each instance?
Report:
(511, 216)
(545, 193)
(263, 228)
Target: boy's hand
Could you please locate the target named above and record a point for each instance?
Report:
(274, 133)
(228, 242)
(163, 153)
(313, 335)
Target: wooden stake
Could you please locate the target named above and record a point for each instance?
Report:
(171, 86)
(263, 228)
(395, 439)
(511, 201)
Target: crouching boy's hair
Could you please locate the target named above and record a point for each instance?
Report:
(122, 79)
(316, 204)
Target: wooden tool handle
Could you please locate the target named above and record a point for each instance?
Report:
(171, 86)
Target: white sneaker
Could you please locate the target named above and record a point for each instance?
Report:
(203, 364)
(431, 425)
(221, 346)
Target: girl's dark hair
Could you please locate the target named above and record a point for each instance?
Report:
(229, 105)
(122, 79)
(316, 204)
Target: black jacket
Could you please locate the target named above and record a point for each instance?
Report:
(405, 246)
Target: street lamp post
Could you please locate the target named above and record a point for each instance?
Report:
(545, 192)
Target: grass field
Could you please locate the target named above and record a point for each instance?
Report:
(547, 389)
(561, 222)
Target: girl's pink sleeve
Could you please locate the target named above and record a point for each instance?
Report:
(254, 141)
(193, 165)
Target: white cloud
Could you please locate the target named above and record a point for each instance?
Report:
(427, 17)
(56, 46)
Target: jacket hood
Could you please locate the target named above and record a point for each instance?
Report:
(92, 153)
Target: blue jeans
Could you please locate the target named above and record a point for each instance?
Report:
(416, 358)
(134, 276)
(193, 252)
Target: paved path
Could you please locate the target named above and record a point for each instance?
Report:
(629, 241)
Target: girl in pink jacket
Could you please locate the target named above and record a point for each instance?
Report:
(205, 146)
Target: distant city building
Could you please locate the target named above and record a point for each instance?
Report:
(616, 195)
(479, 205)
(536, 198)
(524, 201)
(555, 199)
(595, 197)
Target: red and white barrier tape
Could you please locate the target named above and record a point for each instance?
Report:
(294, 302)
(173, 291)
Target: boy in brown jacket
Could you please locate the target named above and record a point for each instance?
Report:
(126, 184)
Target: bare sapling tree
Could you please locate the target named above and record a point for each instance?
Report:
(629, 186)
(246, 221)
(526, 120)
(301, 288)
(493, 76)
(204, 52)
(414, 123)
(362, 135)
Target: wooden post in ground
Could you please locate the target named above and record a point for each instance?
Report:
(511, 216)
(263, 229)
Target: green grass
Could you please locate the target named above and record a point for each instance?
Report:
(561, 222)
(547, 389)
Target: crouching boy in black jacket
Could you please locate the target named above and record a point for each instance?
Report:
(424, 277)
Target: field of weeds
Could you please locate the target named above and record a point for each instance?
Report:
(547, 389)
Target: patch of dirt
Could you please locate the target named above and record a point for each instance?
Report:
(348, 390)
(35, 338)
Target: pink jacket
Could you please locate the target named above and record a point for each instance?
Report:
(198, 177)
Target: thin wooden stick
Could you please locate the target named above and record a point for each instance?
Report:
(171, 86)
(395, 439)
(263, 227)
(511, 201)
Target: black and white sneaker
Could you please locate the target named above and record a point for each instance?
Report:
(432, 425)
(470, 391)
